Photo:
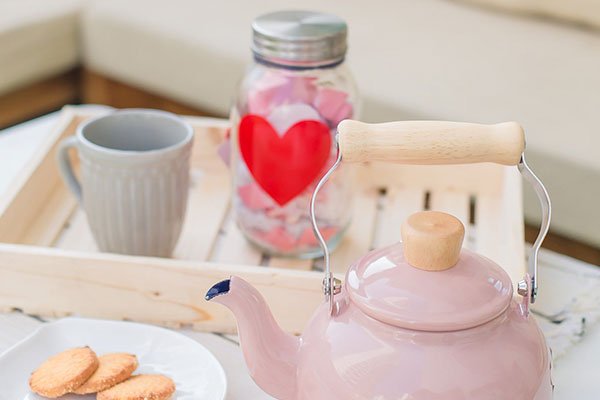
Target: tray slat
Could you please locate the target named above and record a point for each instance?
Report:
(232, 238)
(203, 220)
(359, 238)
(76, 234)
(400, 202)
(50, 221)
(499, 221)
(453, 202)
(38, 222)
(291, 263)
(55, 282)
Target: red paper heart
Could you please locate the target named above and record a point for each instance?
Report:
(284, 165)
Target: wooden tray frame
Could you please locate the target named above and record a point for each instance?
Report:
(49, 266)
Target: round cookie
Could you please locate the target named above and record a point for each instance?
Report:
(140, 387)
(114, 368)
(63, 372)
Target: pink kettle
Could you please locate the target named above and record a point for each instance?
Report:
(419, 320)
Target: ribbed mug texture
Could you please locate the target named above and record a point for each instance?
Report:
(136, 209)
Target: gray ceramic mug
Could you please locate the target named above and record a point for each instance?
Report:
(134, 179)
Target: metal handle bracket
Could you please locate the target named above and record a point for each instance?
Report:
(531, 288)
(331, 285)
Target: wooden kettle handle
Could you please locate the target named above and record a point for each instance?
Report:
(431, 142)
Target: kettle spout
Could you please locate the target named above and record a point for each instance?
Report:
(270, 353)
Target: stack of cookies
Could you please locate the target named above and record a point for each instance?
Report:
(81, 371)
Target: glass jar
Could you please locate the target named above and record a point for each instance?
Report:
(283, 133)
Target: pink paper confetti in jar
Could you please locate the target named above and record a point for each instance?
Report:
(283, 132)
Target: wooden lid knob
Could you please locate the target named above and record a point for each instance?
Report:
(432, 240)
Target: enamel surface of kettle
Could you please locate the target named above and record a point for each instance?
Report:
(353, 356)
(385, 286)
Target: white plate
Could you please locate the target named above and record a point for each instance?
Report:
(196, 372)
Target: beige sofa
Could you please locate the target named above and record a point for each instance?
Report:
(431, 59)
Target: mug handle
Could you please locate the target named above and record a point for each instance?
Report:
(65, 167)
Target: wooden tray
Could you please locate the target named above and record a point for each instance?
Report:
(49, 264)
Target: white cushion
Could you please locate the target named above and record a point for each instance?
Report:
(186, 49)
(585, 12)
(412, 59)
(38, 39)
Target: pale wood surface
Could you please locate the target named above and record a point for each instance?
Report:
(25, 211)
(500, 226)
(244, 254)
(398, 204)
(47, 281)
(453, 202)
(432, 240)
(431, 142)
(38, 210)
(359, 238)
(210, 200)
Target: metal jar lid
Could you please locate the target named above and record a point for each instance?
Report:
(299, 38)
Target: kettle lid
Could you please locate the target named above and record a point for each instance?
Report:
(427, 282)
